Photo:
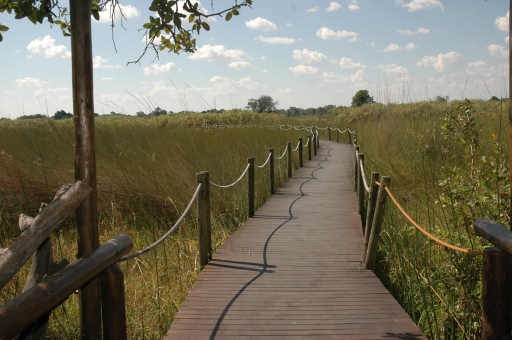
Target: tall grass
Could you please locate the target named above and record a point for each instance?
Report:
(146, 177)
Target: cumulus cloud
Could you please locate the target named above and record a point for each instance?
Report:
(475, 66)
(107, 78)
(392, 47)
(261, 24)
(391, 68)
(497, 51)
(353, 5)
(42, 91)
(227, 85)
(240, 65)
(411, 46)
(128, 12)
(99, 62)
(289, 25)
(155, 69)
(47, 48)
(420, 30)
(313, 9)
(328, 34)
(265, 71)
(348, 63)
(212, 53)
(502, 22)
(307, 56)
(358, 77)
(300, 70)
(332, 78)
(276, 40)
(333, 6)
(30, 82)
(442, 62)
(417, 5)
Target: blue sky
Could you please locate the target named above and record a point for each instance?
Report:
(303, 53)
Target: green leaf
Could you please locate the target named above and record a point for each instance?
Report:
(191, 18)
(235, 12)
(96, 15)
(228, 16)
(146, 25)
(1, 38)
(57, 22)
(155, 6)
(177, 21)
(205, 26)
(3, 28)
(161, 48)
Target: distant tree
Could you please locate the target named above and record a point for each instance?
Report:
(62, 115)
(157, 112)
(141, 114)
(362, 97)
(262, 104)
(36, 116)
(494, 98)
(441, 99)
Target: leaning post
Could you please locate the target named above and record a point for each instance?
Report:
(289, 157)
(271, 170)
(204, 232)
(361, 190)
(85, 159)
(329, 131)
(250, 179)
(337, 135)
(371, 255)
(301, 163)
(370, 211)
(496, 294)
(309, 147)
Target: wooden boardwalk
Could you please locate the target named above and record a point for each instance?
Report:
(294, 270)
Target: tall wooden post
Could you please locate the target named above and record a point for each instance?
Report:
(113, 304)
(289, 157)
(204, 226)
(314, 143)
(309, 147)
(349, 136)
(496, 295)
(271, 169)
(370, 211)
(250, 179)
(300, 153)
(376, 224)
(85, 159)
(356, 168)
(337, 135)
(329, 132)
(361, 190)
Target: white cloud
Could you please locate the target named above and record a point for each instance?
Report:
(353, 5)
(475, 66)
(44, 92)
(372, 44)
(240, 65)
(417, 5)
(289, 25)
(307, 56)
(225, 85)
(358, 77)
(348, 63)
(300, 70)
(30, 82)
(261, 24)
(128, 12)
(333, 6)
(99, 62)
(155, 69)
(265, 71)
(276, 40)
(332, 78)
(502, 22)
(312, 10)
(47, 47)
(392, 48)
(107, 78)
(497, 51)
(442, 62)
(328, 34)
(212, 53)
(391, 68)
(263, 57)
(420, 30)
(507, 38)
(411, 46)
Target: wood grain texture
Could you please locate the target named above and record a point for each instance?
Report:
(293, 271)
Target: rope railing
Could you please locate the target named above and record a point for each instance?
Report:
(305, 145)
(266, 162)
(234, 183)
(284, 153)
(297, 147)
(361, 166)
(167, 234)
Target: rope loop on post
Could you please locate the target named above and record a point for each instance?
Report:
(234, 183)
(284, 153)
(266, 162)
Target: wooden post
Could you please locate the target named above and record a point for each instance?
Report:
(318, 140)
(337, 135)
(309, 147)
(85, 159)
(356, 168)
(370, 210)
(496, 295)
(349, 136)
(376, 224)
(355, 138)
(329, 131)
(289, 157)
(204, 226)
(361, 190)
(314, 143)
(301, 163)
(271, 169)
(250, 190)
(113, 304)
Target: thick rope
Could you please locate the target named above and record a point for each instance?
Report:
(306, 143)
(361, 166)
(432, 237)
(167, 234)
(262, 166)
(298, 143)
(342, 131)
(284, 153)
(234, 183)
